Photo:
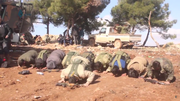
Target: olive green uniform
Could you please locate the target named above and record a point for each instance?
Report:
(166, 69)
(29, 57)
(104, 58)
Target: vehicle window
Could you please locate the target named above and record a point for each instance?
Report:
(103, 30)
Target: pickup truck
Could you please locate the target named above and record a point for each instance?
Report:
(108, 35)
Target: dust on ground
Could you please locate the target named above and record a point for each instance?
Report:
(35, 87)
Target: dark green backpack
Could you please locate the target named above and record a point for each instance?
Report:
(88, 55)
(67, 59)
(41, 54)
(120, 55)
(104, 57)
(75, 63)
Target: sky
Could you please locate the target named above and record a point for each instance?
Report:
(40, 29)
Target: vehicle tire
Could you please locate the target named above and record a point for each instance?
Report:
(130, 46)
(103, 45)
(118, 44)
(91, 42)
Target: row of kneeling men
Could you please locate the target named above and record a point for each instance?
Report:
(80, 66)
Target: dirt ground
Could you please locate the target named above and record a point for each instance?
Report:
(16, 87)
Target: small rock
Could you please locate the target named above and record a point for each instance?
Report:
(37, 97)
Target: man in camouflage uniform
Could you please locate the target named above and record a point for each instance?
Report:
(101, 62)
(5, 39)
(77, 71)
(118, 64)
(161, 68)
(23, 39)
(137, 67)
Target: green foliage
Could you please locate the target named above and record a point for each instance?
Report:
(80, 12)
(41, 10)
(136, 12)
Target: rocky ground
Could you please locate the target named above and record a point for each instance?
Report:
(35, 87)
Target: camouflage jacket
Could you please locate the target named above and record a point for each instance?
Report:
(166, 67)
(81, 72)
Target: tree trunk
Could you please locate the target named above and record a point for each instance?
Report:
(133, 29)
(48, 25)
(149, 19)
(146, 37)
(72, 22)
(69, 24)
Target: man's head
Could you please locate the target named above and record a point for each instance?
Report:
(24, 63)
(156, 66)
(115, 71)
(133, 73)
(39, 63)
(73, 79)
(51, 65)
(98, 66)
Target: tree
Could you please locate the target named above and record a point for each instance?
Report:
(41, 8)
(80, 12)
(136, 12)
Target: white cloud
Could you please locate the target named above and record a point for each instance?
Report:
(174, 31)
(159, 39)
(108, 17)
(38, 22)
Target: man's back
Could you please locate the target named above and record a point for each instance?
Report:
(56, 55)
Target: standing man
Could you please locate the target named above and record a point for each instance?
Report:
(74, 34)
(48, 39)
(67, 38)
(5, 33)
(60, 39)
(81, 36)
(161, 68)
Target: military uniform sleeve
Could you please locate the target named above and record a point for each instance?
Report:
(64, 73)
(9, 30)
(170, 72)
(63, 76)
(149, 70)
(90, 76)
